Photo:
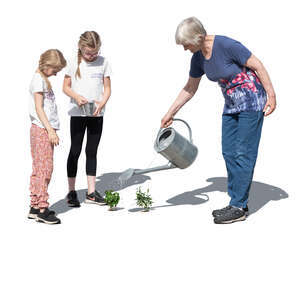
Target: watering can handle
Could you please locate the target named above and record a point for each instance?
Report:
(188, 126)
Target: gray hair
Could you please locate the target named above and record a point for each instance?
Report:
(190, 31)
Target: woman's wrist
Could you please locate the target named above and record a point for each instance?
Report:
(271, 95)
(170, 115)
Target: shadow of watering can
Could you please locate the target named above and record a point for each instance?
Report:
(180, 151)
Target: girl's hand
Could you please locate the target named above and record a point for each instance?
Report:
(53, 138)
(166, 121)
(270, 105)
(99, 108)
(81, 100)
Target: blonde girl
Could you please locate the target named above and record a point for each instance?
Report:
(87, 80)
(43, 137)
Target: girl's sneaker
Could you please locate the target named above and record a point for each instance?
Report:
(72, 199)
(94, 198)
(33, 212)
(48, 217)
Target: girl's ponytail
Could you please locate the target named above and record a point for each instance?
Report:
(78, 63)
(49, 87)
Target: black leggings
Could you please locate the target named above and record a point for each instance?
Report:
(94, 131)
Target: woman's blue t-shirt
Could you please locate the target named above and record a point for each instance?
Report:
(240, 85)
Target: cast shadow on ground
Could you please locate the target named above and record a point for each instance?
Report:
(260, 194)
(104, 182)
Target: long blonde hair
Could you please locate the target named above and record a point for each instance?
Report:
(89, 39)
(51, 58)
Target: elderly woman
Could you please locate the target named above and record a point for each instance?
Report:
(249, 96)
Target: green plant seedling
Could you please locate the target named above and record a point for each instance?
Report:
(112, 199)
(143, 200)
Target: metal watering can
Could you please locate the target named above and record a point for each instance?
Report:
(180, 151)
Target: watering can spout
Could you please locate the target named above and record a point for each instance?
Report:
(169, 165)
(130, 172)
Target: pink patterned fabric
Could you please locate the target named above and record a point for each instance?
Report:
(42, 166)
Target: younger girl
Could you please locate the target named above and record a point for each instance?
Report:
(43, 137)
(87, 79)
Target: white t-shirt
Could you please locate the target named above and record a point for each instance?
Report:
(39, 85)
(90, 84)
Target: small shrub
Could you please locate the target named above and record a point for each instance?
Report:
(112, 199)
(143, 200)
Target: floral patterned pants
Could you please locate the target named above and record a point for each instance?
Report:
(42, 166)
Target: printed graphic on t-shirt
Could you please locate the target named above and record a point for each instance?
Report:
(96, 75)
(243, 93)
(50, 95)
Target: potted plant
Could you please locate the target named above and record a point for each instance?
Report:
(143, 200)
(112, 199)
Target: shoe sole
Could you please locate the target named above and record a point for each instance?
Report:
(73, 205)
(32, 216)
(88, 201)
(47, 222)
(243, 218)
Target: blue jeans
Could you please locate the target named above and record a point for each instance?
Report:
(240, 139)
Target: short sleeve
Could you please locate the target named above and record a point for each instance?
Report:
(37, 84)
(238, 52)
(68, 70)
(196, 68)
(107, 69)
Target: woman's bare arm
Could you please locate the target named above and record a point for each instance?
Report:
(256, 65)
(184, 96)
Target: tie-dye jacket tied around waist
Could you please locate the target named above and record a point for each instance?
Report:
(243, 93)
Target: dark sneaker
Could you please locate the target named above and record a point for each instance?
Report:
(48, 217)
(219, 212)
(232, 214)
(33, 212)
(72, 199)
(95, 198)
